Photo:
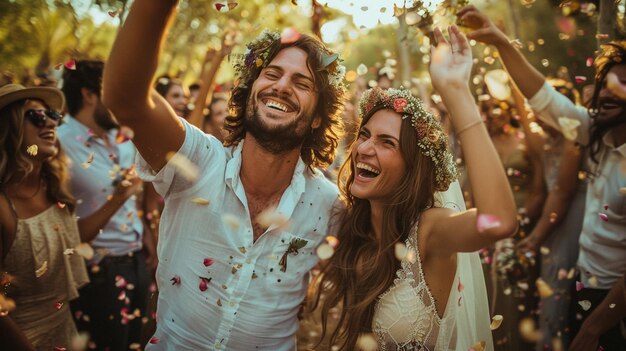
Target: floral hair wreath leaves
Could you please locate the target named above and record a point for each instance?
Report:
(264, 47)
(431, 138)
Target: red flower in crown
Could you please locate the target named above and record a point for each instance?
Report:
(399, 104)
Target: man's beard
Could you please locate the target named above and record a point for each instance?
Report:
(608, 122)
(276, 139)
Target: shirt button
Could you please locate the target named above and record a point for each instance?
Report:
(248, 260)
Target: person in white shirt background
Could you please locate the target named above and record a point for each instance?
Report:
(225, 283)
(598, 308)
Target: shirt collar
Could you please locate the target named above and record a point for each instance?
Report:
(608, 141)
(233, 167)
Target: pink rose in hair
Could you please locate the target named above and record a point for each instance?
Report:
(399, 104)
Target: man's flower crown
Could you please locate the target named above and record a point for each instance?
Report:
(431, 138)
(261, 50)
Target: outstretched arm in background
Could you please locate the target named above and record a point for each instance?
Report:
(127, 84)
(450, 232)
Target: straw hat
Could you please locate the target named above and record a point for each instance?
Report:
(53, 97)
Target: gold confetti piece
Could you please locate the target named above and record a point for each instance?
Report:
(593, 281)
(528, 330)
(234, 270)
(134, 346)
(42, 270)
(585, 304)
(496, 321)
(366, 342)
(87, 163)
(479, 346)
(219, 302)
(32, 150)
(80, 341)
(602, 36)
(325, 251)
(489, 60)
(400, 250)
(242, 249)
(231, 221)
(543, 288)
(569, 128)
(272, 217)
(200, 201)
(545, 63)
(85, 250)
(185, 168)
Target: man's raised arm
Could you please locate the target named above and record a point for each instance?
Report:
(128, 77)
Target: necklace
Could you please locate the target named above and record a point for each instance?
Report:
(19, 196)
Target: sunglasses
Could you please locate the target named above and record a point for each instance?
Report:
(38, 117)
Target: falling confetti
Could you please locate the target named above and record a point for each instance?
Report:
(528, 330)
(585, 304)
(606, 206)
(361, 69)
(204, 283)
(58, 305)
(412, 18)
(603, 217)
(332, 241)
(460, 287)
(545, 63)
(175, 280)
(70, 64)
(124, 134)
(553, 217)
(122, 295)
(602, 36)
(543, 288)
(32, 150)
(85, 250)
(185, 168)
(154, 340)
(614, 85)
(579, 286)
(200, 201)
(42, 270)
(208, 262)
(593, 281)
(496, 321)
(479, 346)
(366, 342)
(580, 79)
(87, 163)
(489, 60)
(612, 305)
(562, 274)
(120, 282)
(401, 251)
(589, 62)
(289, 35)
(113, 13)
(272, 217)
(486, 221)
(58, 66)
(544, 250)
(325, 251)
(225, 7)
(569, 127)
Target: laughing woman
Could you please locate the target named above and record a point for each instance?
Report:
(37, 224)
(405, 268)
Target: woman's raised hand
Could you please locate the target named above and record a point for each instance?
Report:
(451, 62)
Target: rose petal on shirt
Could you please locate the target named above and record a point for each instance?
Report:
(200, 201)
(603, 217)
(154, 340)
(208, 261)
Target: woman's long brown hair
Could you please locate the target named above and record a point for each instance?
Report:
(362, 267)
(15, 164)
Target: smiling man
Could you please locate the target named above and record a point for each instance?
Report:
(227, 279)
(601, 128)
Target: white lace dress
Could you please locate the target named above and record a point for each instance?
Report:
(405, 316)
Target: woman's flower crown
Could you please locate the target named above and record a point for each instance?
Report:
(430, 135)
(261, 50)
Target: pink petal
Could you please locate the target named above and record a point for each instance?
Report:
(606, 206)
(487, 221)
(208, 262)
(120, 282)
(580, 79)
(579, 286)
(175, 280)
(122, 295)
(204, 283)
(289, 35)
(71, 65)
(58, 348)
(60, 205)
(603, 217)
(461, 286)
(58, 305)
(154, 340)
(590, 62)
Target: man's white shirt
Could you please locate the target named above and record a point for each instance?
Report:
(249, 303)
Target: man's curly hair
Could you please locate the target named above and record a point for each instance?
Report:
(319, 147)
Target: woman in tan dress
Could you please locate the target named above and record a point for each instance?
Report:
(37, 227)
